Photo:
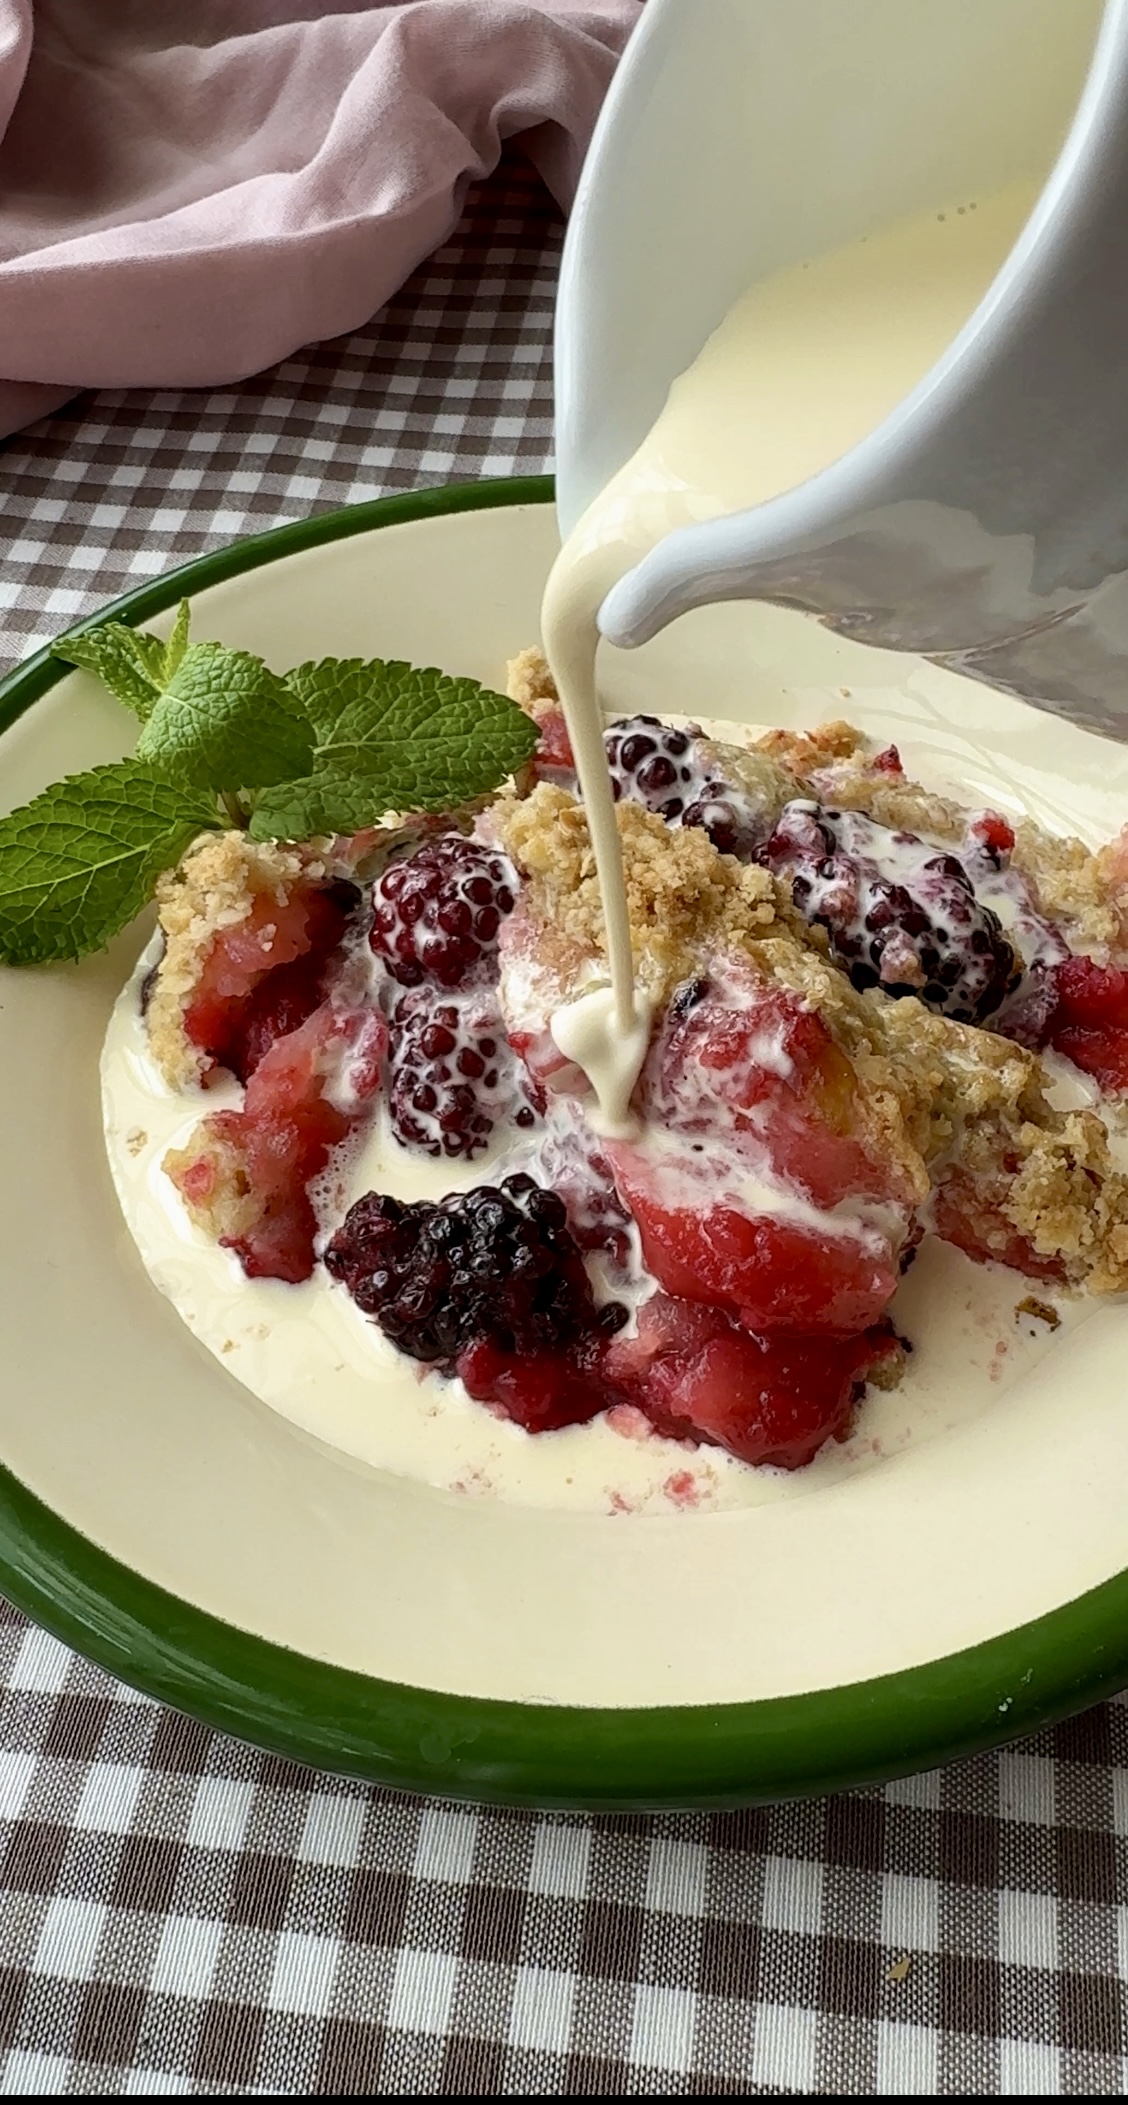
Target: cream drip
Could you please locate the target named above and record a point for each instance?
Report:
(591, 1033)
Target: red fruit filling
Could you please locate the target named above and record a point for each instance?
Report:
(745, 1060)
(540, 1390)
(760, 1115)
(992, 834)
(436, 914)
(967, 1214)
(767, 1400)
(1089, 1021)
(769, 1274)
(257, 1163)
(554, 753)
(266, 974)
(888, 762)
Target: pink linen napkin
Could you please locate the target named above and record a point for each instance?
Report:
(190, 189)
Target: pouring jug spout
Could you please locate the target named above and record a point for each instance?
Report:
(984, 521)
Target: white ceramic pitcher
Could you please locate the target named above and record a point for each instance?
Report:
(985, 522)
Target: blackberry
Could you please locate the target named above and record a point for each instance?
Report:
(652, 764)
(452, 1073)
(497, 1264)
(900, 914)
(436, 914)
(666, 769)
(728, 817)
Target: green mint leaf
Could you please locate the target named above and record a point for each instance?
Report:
(386, 718)
(392, 737)
(79, 861)
(173, 651)
(324, 802)
(128, 662)
(151, 653)
(132, 664)
(225, 722)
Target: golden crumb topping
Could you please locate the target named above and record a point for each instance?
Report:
(210, 1175)
(529, 681)
(1086, 893)
(801, 752)
(683, 898)
(891, 800)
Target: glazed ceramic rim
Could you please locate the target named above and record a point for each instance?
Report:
(709, 1755)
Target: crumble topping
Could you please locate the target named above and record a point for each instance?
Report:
(1086, 892)
(683, 898)
(1038, 1311)
(802, 752)
(210, 1175)
(888, 1373)
(903, 806)
(975, 1106)
(529, 681)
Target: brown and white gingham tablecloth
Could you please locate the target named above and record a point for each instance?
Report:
(181, 1914)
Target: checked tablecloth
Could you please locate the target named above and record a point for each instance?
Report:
(181, 1914)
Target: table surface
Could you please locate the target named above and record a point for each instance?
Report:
(183, 1914)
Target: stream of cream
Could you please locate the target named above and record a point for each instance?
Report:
(803, 366)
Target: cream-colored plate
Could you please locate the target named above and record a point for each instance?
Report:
(125, 1427)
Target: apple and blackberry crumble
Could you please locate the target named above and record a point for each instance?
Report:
(854, 983)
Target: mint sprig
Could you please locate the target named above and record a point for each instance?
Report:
(79, 861)
(129, 663)
(392, 737)
(329, 748)
(225, 722)
(136, 667)
(215, 718)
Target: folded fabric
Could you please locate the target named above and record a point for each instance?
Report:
(190, 189)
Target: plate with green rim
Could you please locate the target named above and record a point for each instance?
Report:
(158, 1517)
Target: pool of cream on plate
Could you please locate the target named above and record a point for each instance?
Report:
(308, 1353)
